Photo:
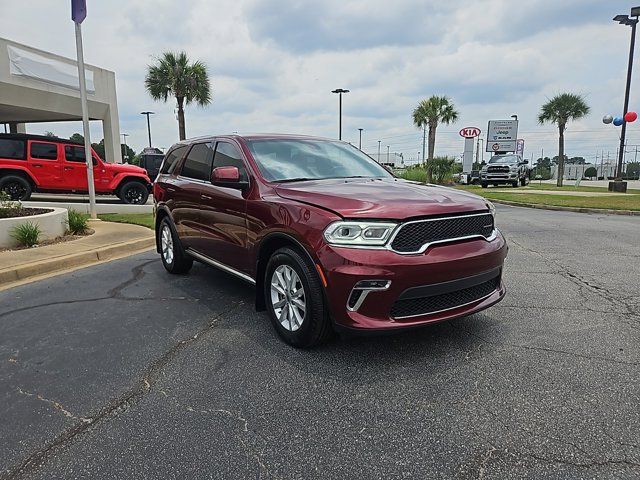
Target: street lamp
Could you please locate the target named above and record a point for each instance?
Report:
(148, 124)
(124, 148)
(379, 142)
(387, 154)
(340, 91)
(618, 185)
(360, 142)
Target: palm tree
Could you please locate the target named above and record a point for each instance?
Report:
(188, 82)
(559, 110)
(430, 113)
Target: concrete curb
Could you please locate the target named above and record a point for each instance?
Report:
(567, 209)
(31, 271)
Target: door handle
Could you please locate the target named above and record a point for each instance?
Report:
(37, 165)
(206, 197)
(68, 168)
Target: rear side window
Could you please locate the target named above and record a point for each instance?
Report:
(15, 149)
(44, 151)
(228, 155)
(76, 154)
(171, 159)
(198, 162)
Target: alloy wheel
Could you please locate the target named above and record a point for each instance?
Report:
(134, 195)
(166, 244)
(15, 190)
(288, 298)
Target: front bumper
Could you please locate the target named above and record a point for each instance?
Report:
(442, 270)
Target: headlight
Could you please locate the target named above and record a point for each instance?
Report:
(359, 233)
(492, 209)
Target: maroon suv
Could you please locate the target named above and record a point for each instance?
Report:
(330, 238)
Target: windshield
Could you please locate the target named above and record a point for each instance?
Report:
(510, 159)
(291, 160)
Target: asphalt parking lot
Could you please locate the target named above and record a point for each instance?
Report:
(122, 371)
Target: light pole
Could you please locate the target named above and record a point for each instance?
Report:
(387, 154)
(379, 142)
(124, 139)
(148, 125)
(340, 91)
(360, 141)
(618, 185)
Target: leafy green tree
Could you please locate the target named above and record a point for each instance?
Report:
(174, 75)
(99, 148)
(559, 110)
(128, 153)
(76, 137)
(633, 169)
(591, 172)
(428, 115)
(50, 134)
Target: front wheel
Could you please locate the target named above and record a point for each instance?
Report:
(294, 298)
(134, 193)
(484, 184)
(515, 184)
(17, 188)
(174, 258)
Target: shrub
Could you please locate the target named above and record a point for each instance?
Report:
(26, 234)
(7, 206)
(416, 174)
(78, 222)
(591, 172)
(442, 170)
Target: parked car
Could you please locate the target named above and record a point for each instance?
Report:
(508, 169)
(150, 160)
(33, 163)
(330, 239)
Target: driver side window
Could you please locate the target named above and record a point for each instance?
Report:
(228, 155)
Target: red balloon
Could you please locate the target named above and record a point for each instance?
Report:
(630, 116)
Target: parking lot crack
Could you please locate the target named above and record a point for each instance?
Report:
(56, 405)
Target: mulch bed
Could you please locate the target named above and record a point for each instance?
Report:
(22, 212)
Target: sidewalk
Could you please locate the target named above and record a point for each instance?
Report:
(110, 241)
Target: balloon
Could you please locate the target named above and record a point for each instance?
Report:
(618, 121)
(607, 119)
(630, 117)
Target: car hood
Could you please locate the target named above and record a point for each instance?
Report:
(381, 199)
(125, 168)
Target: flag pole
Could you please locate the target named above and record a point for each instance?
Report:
(85, 122)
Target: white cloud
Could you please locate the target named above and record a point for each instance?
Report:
(273, 65)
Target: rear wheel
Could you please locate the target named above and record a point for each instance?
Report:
(134, 193)
(294, 298)
(515, 184)
(16, 187)
(174, 258)
(484, 184)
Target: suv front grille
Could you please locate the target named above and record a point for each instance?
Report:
(412, 307)
(413, 236)
(496, 169)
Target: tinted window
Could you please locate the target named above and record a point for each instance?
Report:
(228, 155)
(170, 160)
(198, 162)
(76, 154)
(12, 148)
(44, 151)
(288, 160)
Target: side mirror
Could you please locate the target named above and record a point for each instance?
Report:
(228, 177)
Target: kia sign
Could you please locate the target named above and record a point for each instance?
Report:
(502, 135)
(470, 132)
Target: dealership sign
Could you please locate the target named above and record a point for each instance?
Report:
(502, 135)
(470, 132)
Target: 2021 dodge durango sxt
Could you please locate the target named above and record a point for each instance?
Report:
(331, 239)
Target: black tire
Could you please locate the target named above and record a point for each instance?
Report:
(134, 193)
(314, 327)
(515, 184)
(178, 261)
(484, 184)
(523, 182)
(16, 187)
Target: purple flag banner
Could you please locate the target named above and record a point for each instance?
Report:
(78, 10)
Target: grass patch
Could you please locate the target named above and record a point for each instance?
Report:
(144, 219)
(621, 202)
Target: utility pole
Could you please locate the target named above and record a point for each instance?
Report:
(379, 142)
(360, 142)
(424, 142)
(387, 154)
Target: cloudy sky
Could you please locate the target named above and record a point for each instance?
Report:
(273, 64)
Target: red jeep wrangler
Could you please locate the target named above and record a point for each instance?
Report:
(33, 163)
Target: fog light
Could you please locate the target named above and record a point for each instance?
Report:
(362, 289)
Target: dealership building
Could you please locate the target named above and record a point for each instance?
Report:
(38, 86)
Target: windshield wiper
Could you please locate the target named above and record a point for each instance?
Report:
(297, 179)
